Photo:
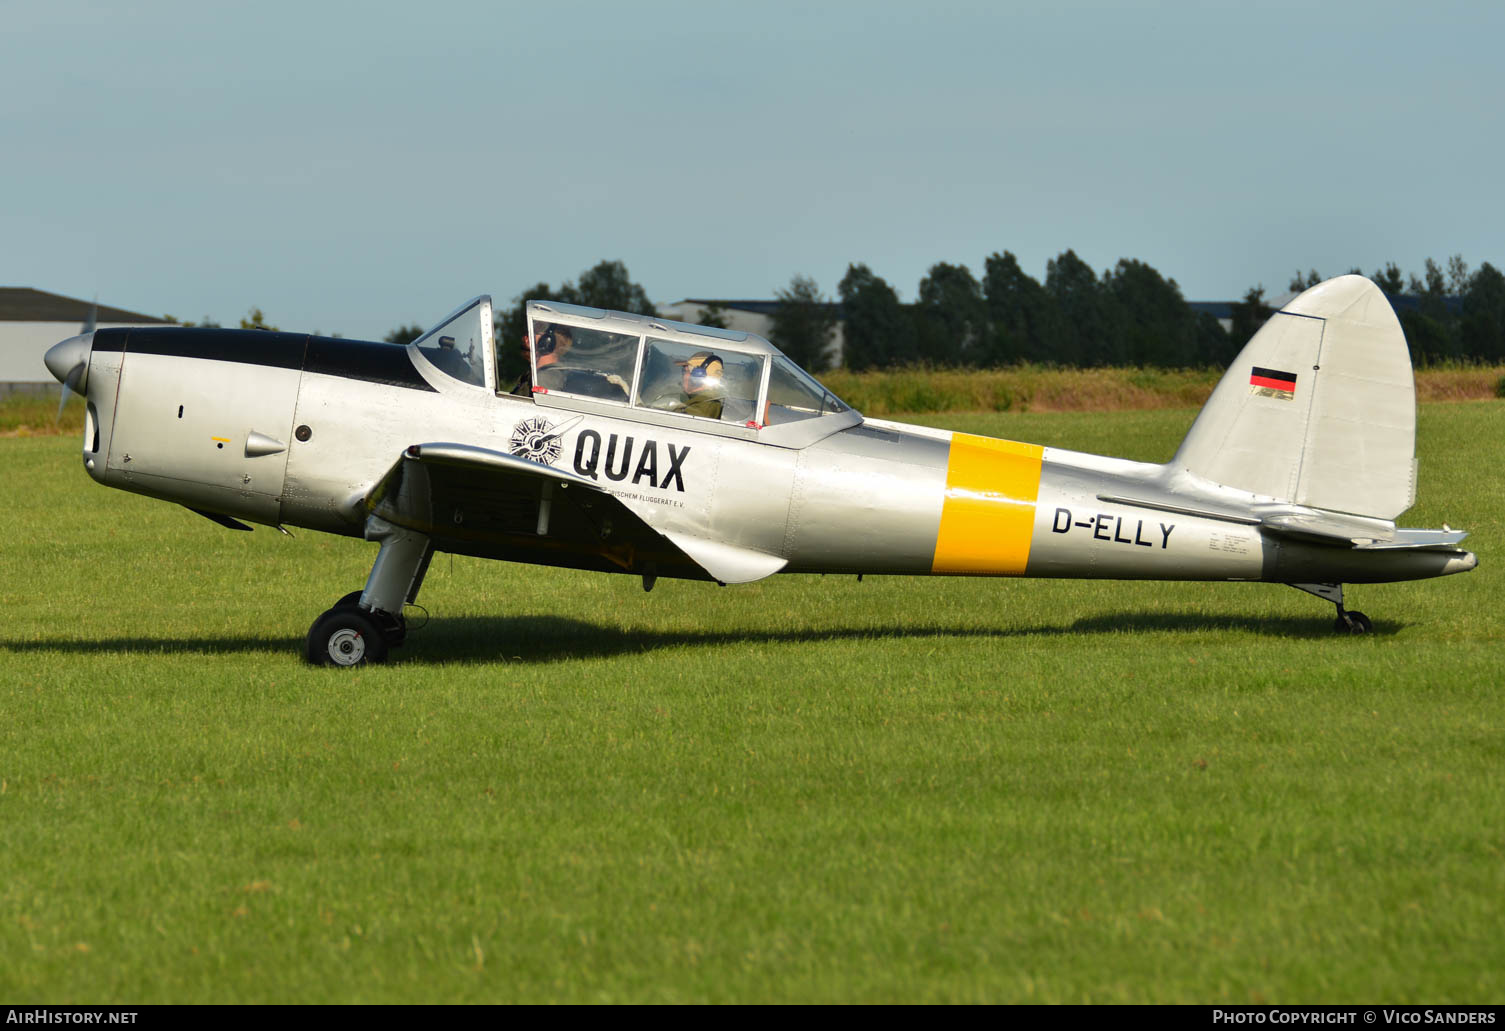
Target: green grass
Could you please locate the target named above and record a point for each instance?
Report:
(806, 789)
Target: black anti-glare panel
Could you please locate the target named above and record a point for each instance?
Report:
(246, 346)
(328, 356)
(360, 359)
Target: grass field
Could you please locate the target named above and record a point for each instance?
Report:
(806, 789)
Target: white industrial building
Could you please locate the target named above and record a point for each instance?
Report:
(749, 317)
(31, 321)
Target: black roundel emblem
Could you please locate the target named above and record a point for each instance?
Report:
(534, 440)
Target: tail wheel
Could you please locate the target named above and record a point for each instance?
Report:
(345, 637)
(1352, 623)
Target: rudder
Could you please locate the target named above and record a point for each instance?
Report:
(1318, 409)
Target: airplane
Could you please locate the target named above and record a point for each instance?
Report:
(656, 449)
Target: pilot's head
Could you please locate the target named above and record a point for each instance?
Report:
(703, 371)
(554, 341)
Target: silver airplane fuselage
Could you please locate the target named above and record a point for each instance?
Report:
(420, 447)
(233, 423)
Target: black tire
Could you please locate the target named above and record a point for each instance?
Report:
(1352, 623)
(393, 628)
(345, 637)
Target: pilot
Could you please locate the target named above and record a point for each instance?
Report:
(554, 342)
(701, 390)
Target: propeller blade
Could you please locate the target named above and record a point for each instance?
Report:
(70, 387)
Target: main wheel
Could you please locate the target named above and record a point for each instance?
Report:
(345, 637)
(393, 628)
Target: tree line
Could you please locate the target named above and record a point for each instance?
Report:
(1449, 314)
(1132, 315)
(1129, 315)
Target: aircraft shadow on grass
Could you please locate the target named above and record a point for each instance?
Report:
(538, 639)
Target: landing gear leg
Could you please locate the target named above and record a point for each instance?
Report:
(363, 625)
(394, 626)
(1347, 622)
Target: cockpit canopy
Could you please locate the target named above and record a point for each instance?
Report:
(718, 378)
(654, 370)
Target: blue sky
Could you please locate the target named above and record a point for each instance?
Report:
(351, 167)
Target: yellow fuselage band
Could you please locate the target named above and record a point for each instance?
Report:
(989, 512)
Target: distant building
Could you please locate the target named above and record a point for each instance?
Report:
(749, 317)
(1402, 303)
(31, 321)
(757, 317)
(1220, 310)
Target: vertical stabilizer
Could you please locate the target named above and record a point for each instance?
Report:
(1318, 409)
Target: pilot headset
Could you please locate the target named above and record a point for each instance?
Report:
(699, 373)
(546, 343)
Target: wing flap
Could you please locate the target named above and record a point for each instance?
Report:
(728, 563)
(475, 501)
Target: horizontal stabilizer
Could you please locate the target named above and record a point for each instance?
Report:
(1421, 540)
(1328, 527)
(1338, 529)
(1346, 531)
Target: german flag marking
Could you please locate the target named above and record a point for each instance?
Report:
(988, 516)
(1272, 383)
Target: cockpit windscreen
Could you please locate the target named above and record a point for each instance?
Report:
(457, 346)
(793, 394)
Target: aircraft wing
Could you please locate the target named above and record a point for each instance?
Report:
(475, 501)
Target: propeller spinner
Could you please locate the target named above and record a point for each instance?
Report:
(69, 364)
